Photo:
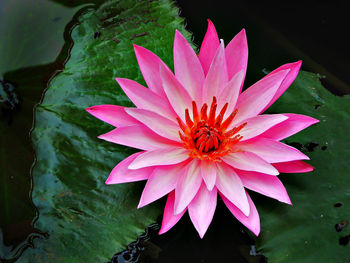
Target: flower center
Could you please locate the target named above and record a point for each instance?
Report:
(207, 136)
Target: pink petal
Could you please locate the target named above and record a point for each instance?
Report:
(176, 93)
(169, 217)
(208, 172)
(265, 184)
(249, 162)
(252, 221)
(237, 55)
(157, 123)
(162, 181)
(112, 114)
(144, 98)
(121, 173)
(168, 156)
(271, 151)
(292, 125)
(293, 72)
(229, 184)
(293, 167)
(253, 100)
(216, 78)
(187, 186)
(149, 64)
(259, 124)
(202, 208)
(208, 48)
(230, 93)
(188, 69)
(137, 136)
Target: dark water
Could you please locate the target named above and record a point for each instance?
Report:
(314, 32)
(226, 240)
(34, 45)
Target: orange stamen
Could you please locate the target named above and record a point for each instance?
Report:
(221, 115)
(218, 120)
(216, 142)
(212, 112)
(229, 119)
(182, 137)
(181, 124)
(223, 110)
(206, 135)
(204, 112)
(189, 122)
(195, 112)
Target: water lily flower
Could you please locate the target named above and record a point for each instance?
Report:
(201, 136)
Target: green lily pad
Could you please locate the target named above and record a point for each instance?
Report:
(86, 220)
(306, 231)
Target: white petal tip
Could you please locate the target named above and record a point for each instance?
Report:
(314, 121)
(114, 181)
(178, 209)
(246, 212)
(210, 187)
(274, 172)
(256, 231)
(140, 205)
(110, 181)
(132, 112)
(133, 167)
(201, 231)
(201, 235)
(143, 203)
(286, 200)
(162, 231)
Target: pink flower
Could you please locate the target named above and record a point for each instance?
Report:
(201, 136)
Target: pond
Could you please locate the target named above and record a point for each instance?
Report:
(36, 41)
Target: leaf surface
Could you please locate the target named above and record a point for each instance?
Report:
(306, 231)
(88, 221)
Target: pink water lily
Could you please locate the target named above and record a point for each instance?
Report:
(201, 136)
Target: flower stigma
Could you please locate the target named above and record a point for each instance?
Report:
(207, 136)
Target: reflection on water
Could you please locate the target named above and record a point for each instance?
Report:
(8, 97)
(31, 32)
(34, 44)
(226, 240)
